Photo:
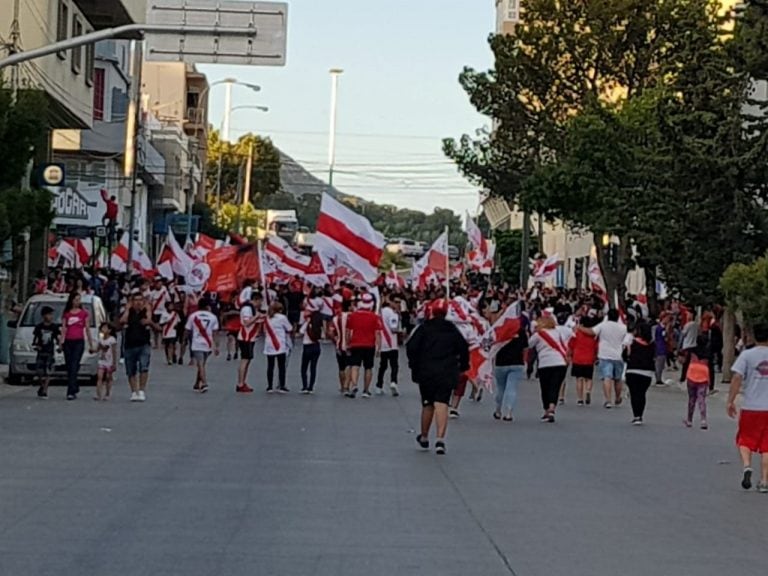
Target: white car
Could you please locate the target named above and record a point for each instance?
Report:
(23, 356)
(406, 247)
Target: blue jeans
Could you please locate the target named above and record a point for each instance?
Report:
(507, 380)
(73, 354)
(137, 360)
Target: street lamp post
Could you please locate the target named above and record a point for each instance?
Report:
(335, 73)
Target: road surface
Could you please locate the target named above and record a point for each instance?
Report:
(224, 484)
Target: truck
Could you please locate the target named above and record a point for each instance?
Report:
(282, 223)
(305, 240)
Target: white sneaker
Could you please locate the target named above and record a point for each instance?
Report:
(135, 397)
(142, 396)
(379, 391)
(394, 389)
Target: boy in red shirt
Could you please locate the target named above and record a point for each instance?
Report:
(364, 339)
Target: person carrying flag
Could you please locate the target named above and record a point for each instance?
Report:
(201, 327)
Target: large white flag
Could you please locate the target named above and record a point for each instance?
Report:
(349, 236)
(140, 261)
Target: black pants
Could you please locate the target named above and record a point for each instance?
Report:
(550, 379)
(280, 358)
(391, 358)
(73, 354)
(638, 387)
(309, 357)
(686, 363)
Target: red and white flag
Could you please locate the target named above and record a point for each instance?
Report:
(204, 245)
(393, 280)
(596, 282)
(140, 261)
(544, 269)
(75, 252)
(433, 265)
(316, 274)
(350, 236)
(504, 330)
(173, 260)
(285, 259)
(481, 256)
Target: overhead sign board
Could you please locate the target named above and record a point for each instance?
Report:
(77, 205)
(250, 33)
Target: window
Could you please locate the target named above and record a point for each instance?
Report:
(513, 10)
(90, 63)
(77, 53)
(98, 94)
(62, 26)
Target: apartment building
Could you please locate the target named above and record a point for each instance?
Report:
(67, 77)
(177, 95)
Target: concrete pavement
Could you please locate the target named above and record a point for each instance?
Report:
(221, 484)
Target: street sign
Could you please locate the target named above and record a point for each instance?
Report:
(252, 33)
(180, 224)
(52, 174)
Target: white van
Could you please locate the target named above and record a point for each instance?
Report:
(23, 356)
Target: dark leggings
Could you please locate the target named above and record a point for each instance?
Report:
(638, 387)
(280, 369)
(391, 357)
(309, 357)
(550, 379)
(73, 354)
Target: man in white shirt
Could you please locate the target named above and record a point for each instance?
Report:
(390, 346)
(201, 328)
(750, 376)
(612, 337)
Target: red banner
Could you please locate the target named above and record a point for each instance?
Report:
(231, 266)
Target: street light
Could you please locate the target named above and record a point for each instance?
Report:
(252, 107)
(335, 73)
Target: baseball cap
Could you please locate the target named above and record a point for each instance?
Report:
(366, 301)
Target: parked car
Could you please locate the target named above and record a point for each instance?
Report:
(453, 253)
(424, 248)
(405, 246)
(22, 354)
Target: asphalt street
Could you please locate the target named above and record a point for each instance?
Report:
(225, 484)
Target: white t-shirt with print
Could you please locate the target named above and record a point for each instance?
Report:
(391, 322)
(277, 339)
(752, 364)
(202, 336)
(548, 356)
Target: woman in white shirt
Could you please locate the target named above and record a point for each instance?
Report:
(551, 344)
(277, 345)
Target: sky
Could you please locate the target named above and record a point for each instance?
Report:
(399, 95)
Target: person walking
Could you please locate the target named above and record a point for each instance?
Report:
(45, 339)
(251, 324)
(391, 329)
(137, 336)
(509, 369)
(697, 380)
(688, 338)
(75, 333)
(311, 331)
(550, 342)
(437, 355)
(641, 361)
(583, 353)
(750, 377)
(611, 338)
(202, 326)
(339, 332)
(364, 337)
(660, 346)
(277, 346)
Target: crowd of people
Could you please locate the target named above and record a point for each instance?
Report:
(558, 329)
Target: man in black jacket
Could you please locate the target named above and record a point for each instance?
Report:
(437, 355)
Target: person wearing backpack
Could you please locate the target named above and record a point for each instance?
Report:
(697, 379)
(312, 332)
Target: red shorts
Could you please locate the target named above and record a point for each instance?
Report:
(753, 431)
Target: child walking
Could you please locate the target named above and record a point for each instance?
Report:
(107, 364)
(46, 335)
(697, 379)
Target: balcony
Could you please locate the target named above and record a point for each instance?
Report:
(110, 13)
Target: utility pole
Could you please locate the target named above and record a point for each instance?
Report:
(248, 170)
(525, 249)
(14, 46)
(227, 111)
(132, 131)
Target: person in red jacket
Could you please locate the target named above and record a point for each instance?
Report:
(583, 352)
(110, 213)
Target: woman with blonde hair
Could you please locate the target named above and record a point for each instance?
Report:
(551, 345)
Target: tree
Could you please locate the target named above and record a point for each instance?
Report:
(623, 117)
(745, 287)
(509, 248)
(265, 175)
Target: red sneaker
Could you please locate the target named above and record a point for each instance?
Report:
(243, 389)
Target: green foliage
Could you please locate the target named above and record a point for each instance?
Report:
(509, 248)
(626, 117)
(745, 287)
(388, 258)
(23, 129)
(265, 175)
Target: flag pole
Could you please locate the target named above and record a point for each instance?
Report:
(447, 263)
(265, 289)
